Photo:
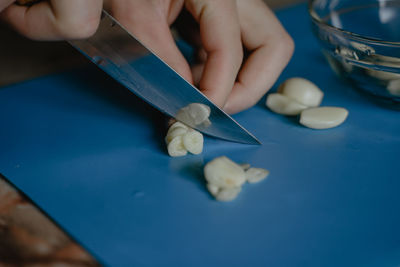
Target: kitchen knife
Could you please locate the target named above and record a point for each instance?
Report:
(122, 56)
(135, 66)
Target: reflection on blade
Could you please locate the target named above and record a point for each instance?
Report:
(124, 58)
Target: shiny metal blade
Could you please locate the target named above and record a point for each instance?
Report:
(128, 61)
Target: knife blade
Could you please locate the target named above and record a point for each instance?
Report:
(122, 56)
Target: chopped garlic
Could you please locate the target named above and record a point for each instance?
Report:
(180, 139)
(176, 124)
(176, 131)
(225, 178)
(228, 194)
(213, 189)
(176, 147)
(199, 112)
(194, 114)
(255, 175)
(245, 166)
(193, 141)
(224, 173)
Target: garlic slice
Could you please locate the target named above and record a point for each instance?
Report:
(176, 124)
(255, 175)
(193, 141)
(189, 140)
(176, 147)
(177, 131)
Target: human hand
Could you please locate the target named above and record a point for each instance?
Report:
(225, 29)
(53, 20)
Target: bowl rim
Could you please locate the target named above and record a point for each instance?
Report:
(317, 20)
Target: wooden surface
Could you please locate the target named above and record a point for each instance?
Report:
(27, 237)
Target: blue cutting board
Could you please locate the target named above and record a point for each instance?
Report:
(91, 155)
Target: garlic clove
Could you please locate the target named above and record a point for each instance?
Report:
(284, 105)
(323, 117)
(302, 90)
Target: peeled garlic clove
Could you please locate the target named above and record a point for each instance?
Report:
(177, 131)
(255, 175)
(176, 147)
(176, 124)
(213, 189)
(193, 141)
(394, 87)
(302, 91)
(282, 104)
(224, 173)
(245, 166)
(323, 117)
(228, 194)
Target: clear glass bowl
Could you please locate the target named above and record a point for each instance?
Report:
(361, 41)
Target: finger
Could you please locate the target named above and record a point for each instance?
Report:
(174, 10)
(270, 50)
(220, 37)
(5, 3)
(149, 22)
(54, 20)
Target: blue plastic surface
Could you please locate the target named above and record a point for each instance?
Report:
(91, 155)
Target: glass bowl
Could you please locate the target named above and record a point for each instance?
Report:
(361, 41)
